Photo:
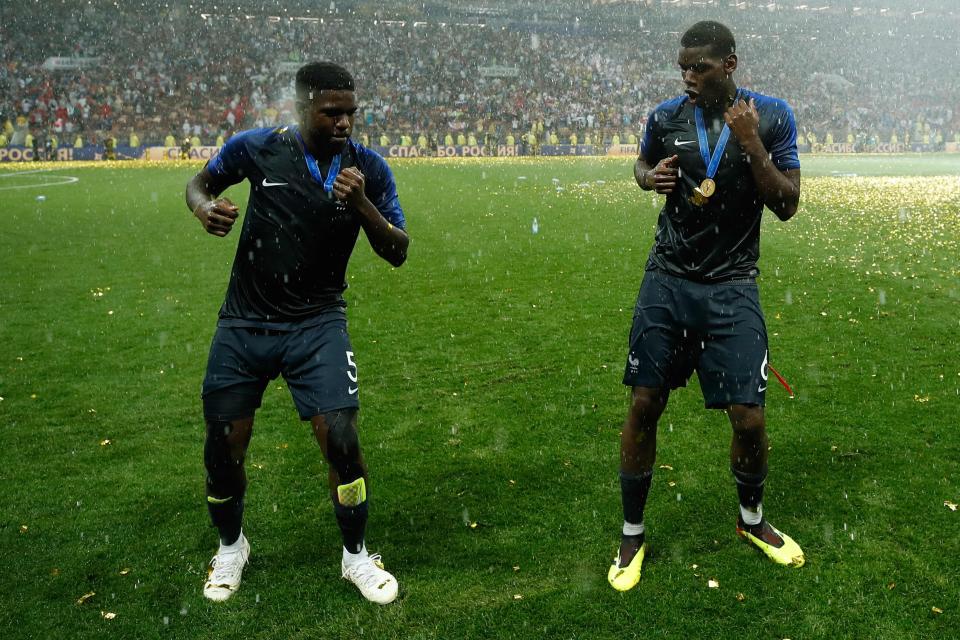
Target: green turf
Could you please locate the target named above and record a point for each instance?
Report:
(490, 367)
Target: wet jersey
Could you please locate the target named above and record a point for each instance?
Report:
(296, 237)
(720, 240)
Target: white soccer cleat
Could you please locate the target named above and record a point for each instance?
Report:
(223, 575)
(374, 583)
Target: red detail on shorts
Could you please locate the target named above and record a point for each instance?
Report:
(781, 379)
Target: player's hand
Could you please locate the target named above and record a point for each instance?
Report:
(663, 177)
(349, 186)
(744, 120)
(217, 216)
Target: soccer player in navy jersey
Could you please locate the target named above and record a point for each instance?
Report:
(719, 154)
(312, 189)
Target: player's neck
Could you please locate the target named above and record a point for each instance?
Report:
(321, 153)
(723, 101)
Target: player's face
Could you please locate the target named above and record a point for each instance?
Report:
(705, 76)
(326, 120)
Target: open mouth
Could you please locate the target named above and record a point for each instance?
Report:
(692, 94)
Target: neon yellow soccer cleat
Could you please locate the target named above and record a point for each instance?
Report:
(775, 544)
(626, 578)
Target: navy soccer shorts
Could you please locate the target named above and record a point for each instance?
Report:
(717, 330)
(316, 361)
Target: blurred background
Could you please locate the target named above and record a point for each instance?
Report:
(861, 75)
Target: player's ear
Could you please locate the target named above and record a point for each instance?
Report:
(730, 63)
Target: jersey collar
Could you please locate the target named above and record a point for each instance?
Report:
(314, 167)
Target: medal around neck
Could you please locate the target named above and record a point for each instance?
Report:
(712, 160)
(698, 199)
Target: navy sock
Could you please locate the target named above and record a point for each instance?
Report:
(227, 517)
(749, 487)
(353, 524)
(633, 492)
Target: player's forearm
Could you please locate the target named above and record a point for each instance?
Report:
(199, 192)
(641, 171)
(778, 191)
(389, 242)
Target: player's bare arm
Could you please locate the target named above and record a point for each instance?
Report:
(217, 215)
(780, 190)
(388, 241)
(661, 178)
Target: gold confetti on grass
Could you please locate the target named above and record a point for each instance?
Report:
(517, 596)
(124, 571)
(108, 615)
(741, 597)
(86, 597)
(887, 215)
(950, 505)
(105, 442)
(936, 610)
(713, 583)
(23, 528)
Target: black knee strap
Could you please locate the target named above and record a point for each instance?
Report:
(749, 479)
(343, 444)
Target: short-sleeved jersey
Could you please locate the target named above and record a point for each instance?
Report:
(721, 240)
(296, 237)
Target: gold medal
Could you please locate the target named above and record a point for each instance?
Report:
(698, 199)
(708, 187)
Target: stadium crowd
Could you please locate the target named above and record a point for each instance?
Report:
(435, 80)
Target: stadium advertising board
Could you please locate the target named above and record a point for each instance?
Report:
(623, 150)
(173, 153)
(159, 154)
(568, 150)
(442, 151)
(477, 151)
(63, 154)
(58, 63)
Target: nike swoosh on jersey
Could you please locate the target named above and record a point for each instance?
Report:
(680, 143)
(352, 390)
(761, 389)
(272, 184)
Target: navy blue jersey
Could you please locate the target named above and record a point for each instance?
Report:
(296, 237)
(721, 240)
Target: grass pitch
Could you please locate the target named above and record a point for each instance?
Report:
(490, 372)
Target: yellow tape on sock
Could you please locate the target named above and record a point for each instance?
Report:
(350, 495)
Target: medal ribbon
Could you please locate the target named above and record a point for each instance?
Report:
(712, 161)
(315, 168)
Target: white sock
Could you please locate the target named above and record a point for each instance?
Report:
(751, 517)
(630, 529)
(232, 548)
(353, 558)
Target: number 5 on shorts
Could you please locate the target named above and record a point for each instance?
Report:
(352, 374)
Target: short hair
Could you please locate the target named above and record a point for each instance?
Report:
(710, 34)
(318, 76)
